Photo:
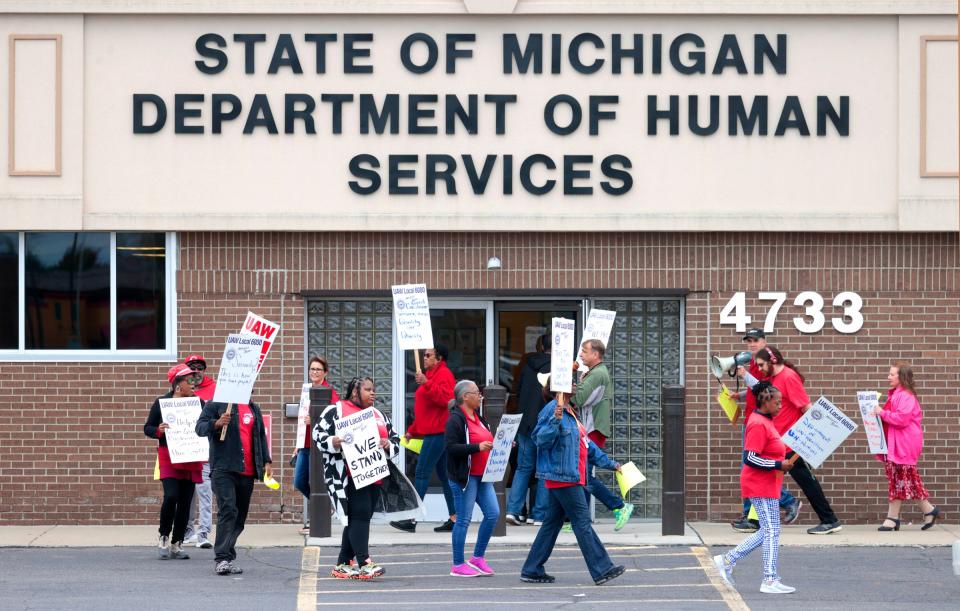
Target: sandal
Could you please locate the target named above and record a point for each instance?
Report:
(935, 513)
(896, 524)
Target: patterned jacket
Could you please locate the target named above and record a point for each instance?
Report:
(398, 498)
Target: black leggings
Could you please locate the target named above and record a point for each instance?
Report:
(175, 510)
(355, 542)
(807, 481)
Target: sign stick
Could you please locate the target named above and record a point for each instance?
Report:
(561, 399)
(793, 459)
(223, 431)
(416, 358)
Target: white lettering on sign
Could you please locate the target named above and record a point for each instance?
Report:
(813, 319)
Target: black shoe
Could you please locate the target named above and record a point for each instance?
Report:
(407, 526)
(611, 574)
(825, 529)
(537, 578)
(793, 512)
(936, 514)
(446, 527)
(884, 528)
(746, 526)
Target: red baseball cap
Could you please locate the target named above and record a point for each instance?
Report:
(178, 371)
(194, 357)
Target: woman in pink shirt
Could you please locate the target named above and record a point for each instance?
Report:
(902, 417)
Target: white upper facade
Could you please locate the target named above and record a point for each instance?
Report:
(559, 116)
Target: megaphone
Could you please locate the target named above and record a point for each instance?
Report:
(728, 364)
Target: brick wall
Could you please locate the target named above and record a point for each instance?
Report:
(75, 429)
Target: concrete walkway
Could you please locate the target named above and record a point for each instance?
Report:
(636, 533)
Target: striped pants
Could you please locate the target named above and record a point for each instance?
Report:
(768, 513)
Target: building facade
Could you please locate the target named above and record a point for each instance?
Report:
(698, 169)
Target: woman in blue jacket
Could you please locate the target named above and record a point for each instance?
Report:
(563, 452)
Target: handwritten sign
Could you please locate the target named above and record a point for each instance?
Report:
(411, 311)
(359, 442)
(821, 430)
(599, 326)
(872, 425)
(182, 439)
(256, 326)
(502, 443)
(238, 369)
(302, 415)
(562, 355)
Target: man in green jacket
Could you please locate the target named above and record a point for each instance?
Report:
(593, 399)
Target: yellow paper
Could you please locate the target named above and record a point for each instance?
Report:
(752, 514)
(414, 445)
(271, 483)
(156, 469)
(627, 477)
(728, 404)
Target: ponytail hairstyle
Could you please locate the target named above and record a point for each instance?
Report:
(763, 391)
(353, 389)
(459, 392)
(905, 371)
(773, 356)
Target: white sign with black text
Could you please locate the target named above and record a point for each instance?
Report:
(502, 443)
(819, 432)
(238, 369)
(182, 440)
(868, 400)
(599, 326)
(562, 355)
(411, 312)
(360, 444)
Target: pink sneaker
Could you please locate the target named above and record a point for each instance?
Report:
(481, 565)
(464, 570)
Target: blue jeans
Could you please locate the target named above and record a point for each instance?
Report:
(601, 492)
(301, 472)
(433, 456)
(570, 502)
(526, 468)
(482, 494)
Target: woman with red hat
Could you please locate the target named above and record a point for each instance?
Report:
(178, 480)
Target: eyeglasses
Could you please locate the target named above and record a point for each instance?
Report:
(196, 366)
(429, 355)
(472, 392)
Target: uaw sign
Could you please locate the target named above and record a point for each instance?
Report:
(819, 432)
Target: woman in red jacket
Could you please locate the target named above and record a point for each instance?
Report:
(760, 480)
(178, 480)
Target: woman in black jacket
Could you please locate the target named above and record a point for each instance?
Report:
(178, 480)
(468, 441)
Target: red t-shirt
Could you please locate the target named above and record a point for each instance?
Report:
(794, 397)
(751, 403)
(245, 415)
(582, 467)
(478, 434)
(333, 399)
(763, 439)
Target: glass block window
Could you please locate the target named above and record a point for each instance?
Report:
(644, 355)
(355, 337)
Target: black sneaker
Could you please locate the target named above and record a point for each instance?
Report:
(223, 568)
(793, 512)
(825, 529)
(234, 569)
(611, 574)
(446, 527)
(746, 526)
(545, 578)
(407, 526)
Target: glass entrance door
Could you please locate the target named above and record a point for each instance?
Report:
(465, 329)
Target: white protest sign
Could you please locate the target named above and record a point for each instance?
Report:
(872, 425)
(411, 311)
(599, 326)
(502, 443)
(182, 440)
(302, 415)
(256, 326)
(563, 355)
(238, 369)
(359, 442)
(815, 436)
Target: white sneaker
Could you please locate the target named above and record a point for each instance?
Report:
(511, 519)
(163, 548)
(775, 587)
(538, 523)
(203, 542)
(190, 540)
(726, 571)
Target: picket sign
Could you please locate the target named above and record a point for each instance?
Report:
(818, 433)
(411, 313)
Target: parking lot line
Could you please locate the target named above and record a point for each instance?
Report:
(491, 603)
(730, 595)
(309, 575)
(544, 587)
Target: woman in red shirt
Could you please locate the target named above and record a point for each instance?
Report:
(760, 480)
(468, 441)
(318, 370)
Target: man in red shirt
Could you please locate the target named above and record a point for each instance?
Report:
(430, 409)
(755, 340)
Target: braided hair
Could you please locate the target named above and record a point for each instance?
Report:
(764, 391)
(353, 389)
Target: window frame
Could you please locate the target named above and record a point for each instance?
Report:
(169, 352)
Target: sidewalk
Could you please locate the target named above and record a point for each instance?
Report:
(636, 533)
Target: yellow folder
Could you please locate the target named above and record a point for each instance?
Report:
(627, 477)
(729, 406)
(414, 445)
(156, 469)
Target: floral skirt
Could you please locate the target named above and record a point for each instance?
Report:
(905, 483)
